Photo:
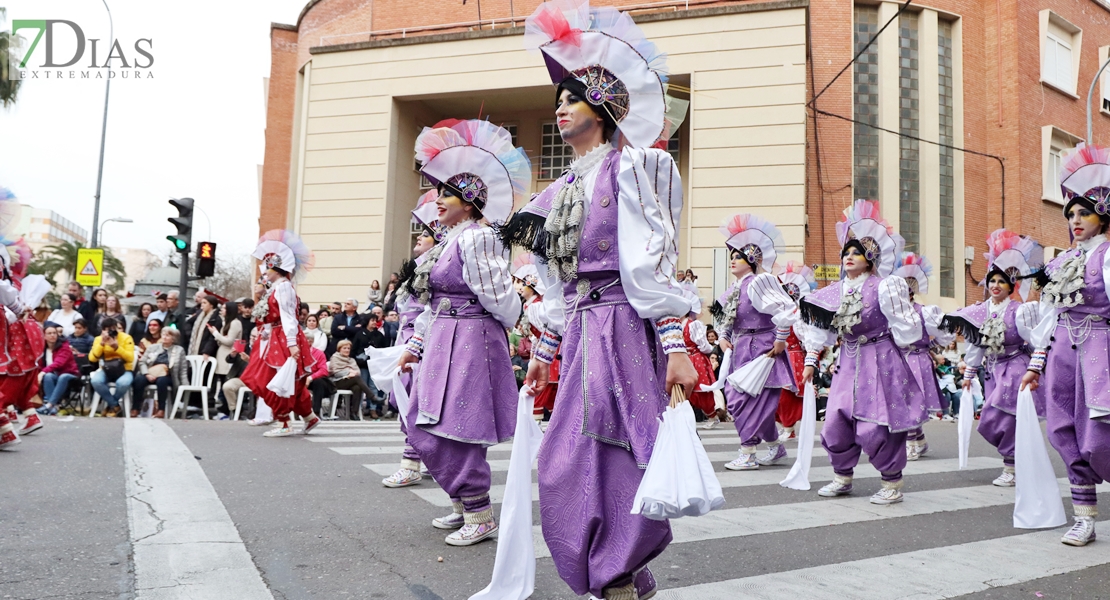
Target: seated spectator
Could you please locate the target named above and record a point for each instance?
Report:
(520, 367)
(344, 373)
(137, 329)
(323, 321)
(81, 341)
(312, 332)
(163, 366)
(66, 315)
(117, 350)
(57, 368)
(318, 383)
(238, 361)
(152, 336)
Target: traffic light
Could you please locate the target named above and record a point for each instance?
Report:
(206, 259)
(184, 223)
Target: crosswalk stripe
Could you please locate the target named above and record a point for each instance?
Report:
(770, 476)
(332, 439)
(930, 574)
(777, 518)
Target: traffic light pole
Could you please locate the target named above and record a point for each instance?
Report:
(183, 287)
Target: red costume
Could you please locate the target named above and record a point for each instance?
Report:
(694, 336)
(790, 404)
(273, 353)
(545, 400)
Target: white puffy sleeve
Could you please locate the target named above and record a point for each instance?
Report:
(894, 301)
(1027, 318)
(486, 272)
(649, 212)
(973, 357)
(287, 305)
(769, 298)
(933, 316)
(813, 338)
(9, 297)
(698, 334)
(553, 305)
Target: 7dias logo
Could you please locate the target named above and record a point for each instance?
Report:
(63, 52)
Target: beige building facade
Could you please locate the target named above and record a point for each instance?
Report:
(359, 108)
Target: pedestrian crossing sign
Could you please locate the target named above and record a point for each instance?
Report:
(90, 266)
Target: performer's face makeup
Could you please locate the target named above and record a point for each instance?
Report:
(423, 244)
(452, 209)
(575, 117)
(854, 262)
(272, 276)
(998, 287)
(739, 267)
(1084, 223)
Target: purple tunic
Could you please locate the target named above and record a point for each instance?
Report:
(752, 335)
(1002, 373)
(465, 388)
(873, 379)
(921, 364)
(603, 428)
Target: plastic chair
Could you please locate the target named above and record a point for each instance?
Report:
(126, 401)
(350, 398)
(243, 393)
(198, 365)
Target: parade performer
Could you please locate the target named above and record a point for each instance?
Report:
(998, 332)
(915, 269)
(1072, 339)
(409, 309)
(798, 281)
(607, 231)
(875, 398)
(754, 319)
(695, 335)
(464, 393)
(283, 256)
(20, 335)
(531, 289)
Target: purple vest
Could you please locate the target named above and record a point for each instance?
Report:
(597, 246)
(1095, 301)
(447, 282)
(872, 320)
(747, 317)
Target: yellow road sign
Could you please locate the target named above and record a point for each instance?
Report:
(90, 266)
(827, 272)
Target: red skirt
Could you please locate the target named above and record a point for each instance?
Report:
(703, 401)
(19, 389)
(259, 373)
(545, 400)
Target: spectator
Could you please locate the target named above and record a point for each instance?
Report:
(389, 300)
(717, 355)
(375, 294)
(303, 311)
(117, 350)
(163, 366)
(112, 309)
(347, 324)
(170, 322)
(150, 337)
(520, 366)
(137, 329)
(319, 383)
(395, 279)
(316, 338)
(370, 336)
(231, 387)
(226, 337)
(94, 309)
(58, 368)
(345, 375)
(390, 326)
(160, 308)
(66, 315)
(246, 305)
(946, 377)
(202, 341)
(187, 326)
(77, 291)
(374, 336)
(81, 341)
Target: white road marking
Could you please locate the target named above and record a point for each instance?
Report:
(184, 543)
(335, 439)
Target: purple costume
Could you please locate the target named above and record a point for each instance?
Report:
(921, 364)
(408, 310)
(875, 398)
(1078, 380)
(753, 334)
(464, 394)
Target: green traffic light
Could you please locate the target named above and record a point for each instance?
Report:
(178, 242)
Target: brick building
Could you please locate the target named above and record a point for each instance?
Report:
(354, 81)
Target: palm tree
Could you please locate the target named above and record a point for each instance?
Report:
(62, 258)
(9, 88)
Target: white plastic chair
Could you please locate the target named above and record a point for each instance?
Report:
(126, 401)
(350, 398)
(243, 393)
(198, 366)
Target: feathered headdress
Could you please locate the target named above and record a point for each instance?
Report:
(862, 223)
(286, 251)
(915, 269)
(797, 279)
(524, 269)
(1013, 256)
(20, 255)
(755, 238)
(477, 160)
(1085, 178)
(427, 214)
(624, 73)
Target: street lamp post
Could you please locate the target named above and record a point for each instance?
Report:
(103, 130)
(100, 234)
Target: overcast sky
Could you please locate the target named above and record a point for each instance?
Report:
(196, 129)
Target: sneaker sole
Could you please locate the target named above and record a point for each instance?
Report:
(460, 543)
(30, 430)
(1076, 543)
(825, 494)
(277, 435)
(996, 484)
(755, 468)
(444, 527)
(885, 502)
(309, 428)
(10, 444)
(400, 485)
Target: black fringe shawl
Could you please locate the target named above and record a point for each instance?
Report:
(957, 324)
(408, 269)
(717, 310)
(816, 315)
(524, 230)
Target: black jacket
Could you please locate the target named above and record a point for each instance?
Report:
(208, 344)
(358, 324)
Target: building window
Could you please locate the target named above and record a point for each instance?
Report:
(555, 154)
(947, 161)
(1054, 143)
(511, 128)
(425, 183)
(865, 95)
(1061, 42)
(909, 124)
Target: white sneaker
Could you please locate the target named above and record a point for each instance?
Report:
(911, 451)
(284, 431)
(1006, 479)
(259, 422)
(948, 418)
(472, 533)
(775, 453)
(786, 434)
(451, 521)
(746, 462)
(1080, 534)
(835, 488)
(922, 447)
(710, 423)
(887, 496)
(402, 478)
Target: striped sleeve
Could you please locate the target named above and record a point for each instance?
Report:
(894, 301)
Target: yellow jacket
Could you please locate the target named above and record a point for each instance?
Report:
(125, 351)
